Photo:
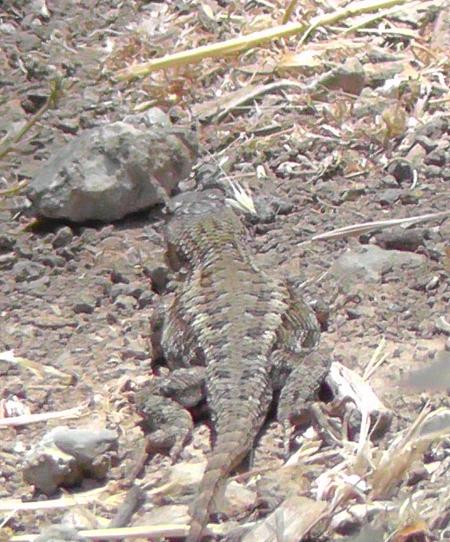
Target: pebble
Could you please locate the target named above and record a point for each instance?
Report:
(389, 181)
(7, 261)
(433, 171)
(146, 299)
(409, 198)
(86, 305)
(51, 260)
(389, 196)
(63, 237)
(24, 251)
(401, 170)
(66, 253)
(436, 157)
(60, 533)
(27, 271)
(6, 243)
(427, 143)
(126, 302)
(118, 277)
(401, 239)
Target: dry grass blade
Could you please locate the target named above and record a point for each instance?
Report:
(365, 227)
(66, 501)
(45, 416)
(241, 199)
(36, 368)
(8, 143)
(243, 43)
(396, 461)
(385, 13)
(148, 531)
(292, 520)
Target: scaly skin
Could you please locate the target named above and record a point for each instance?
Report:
(243, 325)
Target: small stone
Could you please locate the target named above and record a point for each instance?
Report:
(63, 237)
(401, 170)
(7, 28)
(136, 290)
(401, 239)
(427, 143)
(126, 302)
(71, 266)
(436, 158)
(389, 181)
(409, 198)
(7, 261)
(64, 457)
(118, 289)
(433, 171)
(84, 306)
(160, 277)
(51, 260)
(60, 533)
(433, 129)
(118, 277)
(28, 271)
(369, 263)
(146, 298)
(389, 196)
(66, 253)
(134, 353)
(354, 314)
(6, 243)
(445, 174)
(24, 251)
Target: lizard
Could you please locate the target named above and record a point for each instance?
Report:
(248, 331)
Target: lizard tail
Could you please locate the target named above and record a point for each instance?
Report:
(229, 450)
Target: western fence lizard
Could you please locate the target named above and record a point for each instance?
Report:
(249, 330)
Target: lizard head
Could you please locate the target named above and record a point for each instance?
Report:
(198, 222)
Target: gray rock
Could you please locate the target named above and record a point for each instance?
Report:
(7, 243)
(86, 305)
(85, 444)
(408, 198)
(389, 196)
(146, 299)
(111, 171)
(60, 533)
(7, 261)
(401, 239)
(51, 260)
(28, 271)
(427, 143)
(436, 158)
(389, 181)
(126, 302)
(433, 171)
(369, 263)
(401, 170)
(63, 237)
(65, 456)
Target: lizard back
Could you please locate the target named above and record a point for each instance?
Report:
(233, 312)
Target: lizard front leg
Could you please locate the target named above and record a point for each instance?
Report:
(163, 403)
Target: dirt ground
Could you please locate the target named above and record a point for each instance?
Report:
(78, 298)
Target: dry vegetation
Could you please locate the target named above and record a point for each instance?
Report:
(282, 74)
